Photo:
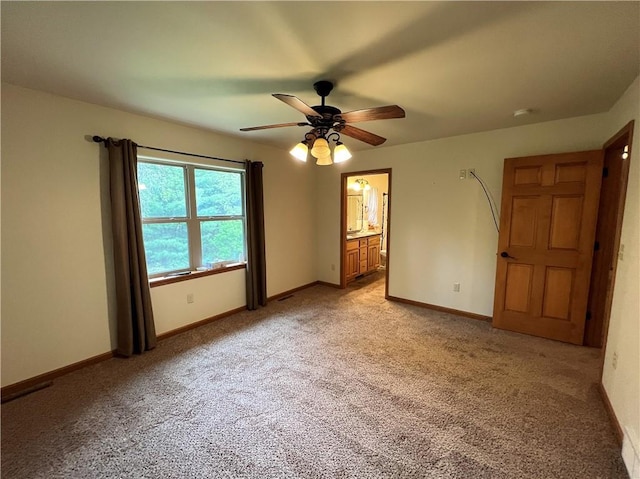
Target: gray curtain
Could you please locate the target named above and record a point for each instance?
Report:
(136, 330)
(256, 263)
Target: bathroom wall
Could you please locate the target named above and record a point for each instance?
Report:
(381, 183)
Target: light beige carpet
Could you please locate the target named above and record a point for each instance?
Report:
(327, 384)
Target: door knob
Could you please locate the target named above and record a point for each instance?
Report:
(504, 254)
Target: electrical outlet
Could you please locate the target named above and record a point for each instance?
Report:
(190, 298)
(621, 252)
(456, 287)
(463, 174)
(472, 172)
(614, 360)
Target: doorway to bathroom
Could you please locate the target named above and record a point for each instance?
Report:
(365, 227)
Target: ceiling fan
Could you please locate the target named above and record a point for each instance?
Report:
(324, 118)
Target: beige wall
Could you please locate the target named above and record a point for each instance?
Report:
(57, 298)
(623, 383)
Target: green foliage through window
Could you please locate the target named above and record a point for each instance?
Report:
(222, 240)
(218, 193)
(166, 246)
(162, 191)
(174, 238)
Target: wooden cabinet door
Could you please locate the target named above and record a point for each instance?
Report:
(352, 261)
(545, 245)
(373, 257)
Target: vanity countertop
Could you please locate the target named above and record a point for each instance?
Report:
(362, 234)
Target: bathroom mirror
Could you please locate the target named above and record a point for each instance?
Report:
(354, 213)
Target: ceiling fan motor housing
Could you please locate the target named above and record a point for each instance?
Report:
(328, 119)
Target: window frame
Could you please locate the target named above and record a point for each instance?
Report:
(192, 220)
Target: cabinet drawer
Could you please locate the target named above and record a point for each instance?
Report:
(363, 266)
(374, 240)
(363, 242)
(351, 245)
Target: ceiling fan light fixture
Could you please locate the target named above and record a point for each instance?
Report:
(341, 153)
(321, 149)
(324, 160)
(300, 151)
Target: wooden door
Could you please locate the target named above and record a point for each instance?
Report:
(545, 247)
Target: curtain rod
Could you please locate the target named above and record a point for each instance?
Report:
(99, 139)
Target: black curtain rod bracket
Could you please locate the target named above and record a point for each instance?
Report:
(99, 139)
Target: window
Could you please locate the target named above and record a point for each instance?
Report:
(191, 216)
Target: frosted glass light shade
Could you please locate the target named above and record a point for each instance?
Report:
(324, 160)
(320, 148)
(341, 153)
(361, 184)
(300, 151)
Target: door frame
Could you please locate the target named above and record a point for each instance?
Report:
(343, 222)
(623, 137)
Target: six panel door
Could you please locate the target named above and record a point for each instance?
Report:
(545, 246)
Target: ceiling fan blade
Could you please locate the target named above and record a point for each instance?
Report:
(298, 104)
(379, 113)
(362, 135)
(279, 125)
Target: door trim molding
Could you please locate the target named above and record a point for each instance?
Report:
(343, 222)
(623, 136)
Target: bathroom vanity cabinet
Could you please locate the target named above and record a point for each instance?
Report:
(362, 256)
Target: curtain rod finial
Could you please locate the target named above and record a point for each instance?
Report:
(98, 139)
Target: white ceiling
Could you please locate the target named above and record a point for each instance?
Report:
(455, 67)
